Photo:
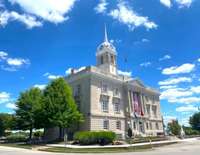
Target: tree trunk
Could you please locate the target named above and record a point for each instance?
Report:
(60, 133)
(30, 133)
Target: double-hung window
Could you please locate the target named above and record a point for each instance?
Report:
(105, 124)
(117, 107)
(104, 103)
(118, 125)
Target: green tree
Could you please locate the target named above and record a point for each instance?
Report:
(59, 105)
(174, 127)
(195, 121)
(1, 127)
(29, 110)
(7, 122)
(190, 131)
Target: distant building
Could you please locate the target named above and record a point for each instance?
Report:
(110, 101)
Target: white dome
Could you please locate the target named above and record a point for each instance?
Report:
(106, 45)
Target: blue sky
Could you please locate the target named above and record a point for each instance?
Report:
(42, 39)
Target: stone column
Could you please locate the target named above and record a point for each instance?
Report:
(142, 103)
(129, 109)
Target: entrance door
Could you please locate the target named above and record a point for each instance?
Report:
(141, 127)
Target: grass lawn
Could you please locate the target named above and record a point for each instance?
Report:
(101, 150)
(96, 150)
(24, 146)
(84, 150)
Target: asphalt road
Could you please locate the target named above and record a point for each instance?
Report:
(183, 148)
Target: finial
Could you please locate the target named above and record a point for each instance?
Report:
(105, 35)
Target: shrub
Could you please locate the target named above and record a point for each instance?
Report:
(16, 138)
(95, 137)
(190, 131)
(37, 134)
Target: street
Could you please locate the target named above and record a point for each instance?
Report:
(184, 148)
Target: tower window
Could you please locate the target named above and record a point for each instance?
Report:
(102, 59)
(112, 59)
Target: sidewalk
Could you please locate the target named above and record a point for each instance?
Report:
(123, 146)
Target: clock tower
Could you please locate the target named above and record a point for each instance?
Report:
(106, 56)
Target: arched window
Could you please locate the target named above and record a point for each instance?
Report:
(102, 59)
(112, 59)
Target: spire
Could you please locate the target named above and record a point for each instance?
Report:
(105, 35)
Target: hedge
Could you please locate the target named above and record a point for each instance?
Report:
(94, 137)
(13, 138)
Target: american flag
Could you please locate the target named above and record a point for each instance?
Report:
(137, 105)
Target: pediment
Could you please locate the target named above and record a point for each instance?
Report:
(138, 82)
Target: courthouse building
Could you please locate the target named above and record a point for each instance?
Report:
(114, 102)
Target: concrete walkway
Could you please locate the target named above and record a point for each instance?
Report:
(125, 145)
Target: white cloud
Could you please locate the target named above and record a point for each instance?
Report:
(46, 74)
(124, 73)
(180, 3)
(198, 60)
(172, 94)
(40, 86)
(4, 97)
(173, 81)
(101, 7)
(145, 64)
(167, 3)
(115, 41)
(168, 87)
(144, 40)
(165, 57)
(168, 118)
(184, 3)
(3, 55)
(54, 11)
(180, 95)
(12, 64)
(185, 121)
(17, 61)
(51, 76)
(129, 17)
(9, 68)
(195, 89)
(69, 70)
(188, 108)
(28, 20)
(185, 68)
(186, 100)
(11, 106)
